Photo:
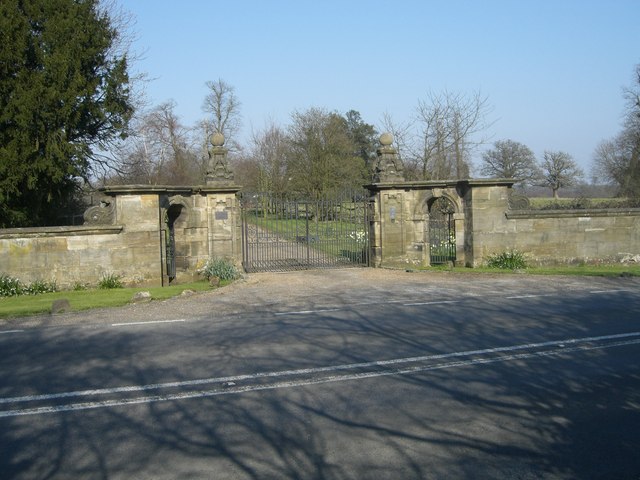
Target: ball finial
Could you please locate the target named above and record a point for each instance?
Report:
(386, 139)
(217, 139)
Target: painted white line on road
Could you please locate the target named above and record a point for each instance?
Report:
(150, 322)
(308, 312)
(316, 370)
(11, 331)
(595, 292)
(377, 302)
(437, 302)
(304, 382)
(529, 296)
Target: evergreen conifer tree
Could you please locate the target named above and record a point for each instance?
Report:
(64, 95)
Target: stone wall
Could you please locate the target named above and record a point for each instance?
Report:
(576, 236)
(69, 255)
(490, 219)
(548, 236)
(127, 236)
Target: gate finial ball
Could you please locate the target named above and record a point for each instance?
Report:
(217, 139)
(386, 139)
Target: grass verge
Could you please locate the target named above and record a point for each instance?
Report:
(25, 305)
(582, 270)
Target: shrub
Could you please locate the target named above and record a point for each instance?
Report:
(40, 286)
(509, 260)
(221, 268)
(110, 280)
(10, 286)
(579, 203)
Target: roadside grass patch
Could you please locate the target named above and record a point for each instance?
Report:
(609, 270)
(20, 306)
(612, 270)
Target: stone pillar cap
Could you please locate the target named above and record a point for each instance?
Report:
(386, 139)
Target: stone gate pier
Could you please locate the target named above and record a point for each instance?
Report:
(400, 232)
(144, 234)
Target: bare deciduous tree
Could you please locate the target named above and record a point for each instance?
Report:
(617, 161)
(159, 151)
(559, 170)
(509, 159)
(269, 151)
(448, 124)
(224, 107)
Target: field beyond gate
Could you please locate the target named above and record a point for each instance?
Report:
(281, 234)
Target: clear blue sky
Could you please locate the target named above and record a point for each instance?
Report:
(553, 70)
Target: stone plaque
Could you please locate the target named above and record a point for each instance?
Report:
(222, 215)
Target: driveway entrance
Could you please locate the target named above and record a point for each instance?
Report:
(280, 234)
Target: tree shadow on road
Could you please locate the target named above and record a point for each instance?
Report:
(566, 415)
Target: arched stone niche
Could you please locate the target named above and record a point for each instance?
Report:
(175, 208)
(426, 198)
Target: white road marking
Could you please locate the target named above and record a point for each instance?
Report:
(528, 296)
(579, 344)
(11, 331)
(150, 322)
(308, 312)
(299, 383)
(436, 302)
(595, 292)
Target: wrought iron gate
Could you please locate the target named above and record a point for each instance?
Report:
(283, 234)
(442, 233)
(170, 254)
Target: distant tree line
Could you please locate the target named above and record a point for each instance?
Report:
(510, 159)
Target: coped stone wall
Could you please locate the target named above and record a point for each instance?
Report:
(128, 235)
(577, 236)
(66, 255)
(499, 221)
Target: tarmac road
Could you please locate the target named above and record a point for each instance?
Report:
(341, 374)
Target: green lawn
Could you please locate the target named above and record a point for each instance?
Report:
(24, 305)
